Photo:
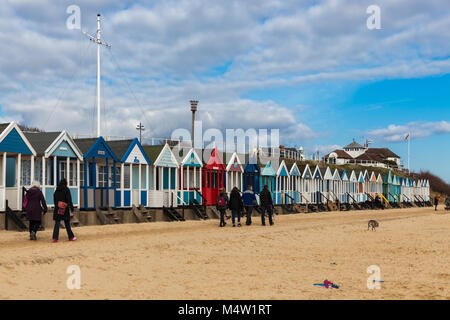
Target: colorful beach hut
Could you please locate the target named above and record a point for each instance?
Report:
(317, 186)
(163, 190)
(57, 157)
(213, 177)
(306, 184)
(190, 179)
(132, 177)
(235, 175)
(295, 178)
(268, 177)
(282, 186)
(98, 174)
(252, 174)
(16, 149)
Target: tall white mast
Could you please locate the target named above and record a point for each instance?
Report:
(99, 44)
(409, 153)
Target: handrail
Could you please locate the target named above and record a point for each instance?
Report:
(201, 195)
(391, 195)
(384, 198)
(321, 193)
(351, 197)
(176, 195)
(370, 197)
(406, 197)
(302, 197)
(335, 196)
(287, 195)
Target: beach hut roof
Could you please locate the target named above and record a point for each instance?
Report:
(191, 159)
(294, 170)
(165, 158)
(129, 151)
(47, 143)
(13, 140)
(268, 170)
(306, 171)
(317, 173)
(215, 161)
(282, 170)
(326, 173)
(235, 164)
(95, 147)
(152, 152)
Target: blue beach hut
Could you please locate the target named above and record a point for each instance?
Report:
(98, 174)
(16, 149)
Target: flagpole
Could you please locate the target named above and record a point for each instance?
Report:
(409, 153)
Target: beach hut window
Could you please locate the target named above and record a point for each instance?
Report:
(102, 176)
(62, 170)
(118, 177)
(143, 178)
(25, 176)
(73, 174)
(126, 176)
(38, 171)
(82, 174)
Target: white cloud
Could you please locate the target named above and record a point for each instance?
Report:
(167, 49)
(398, 133)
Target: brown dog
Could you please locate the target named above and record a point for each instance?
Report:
(373, 224)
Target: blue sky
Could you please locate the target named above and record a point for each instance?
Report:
(311, 69)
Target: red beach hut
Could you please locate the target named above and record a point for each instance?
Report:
(213, 177)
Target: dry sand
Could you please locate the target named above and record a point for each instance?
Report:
(198, 260)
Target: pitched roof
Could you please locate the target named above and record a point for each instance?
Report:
(84, 144)
(152, 152)
(119, 147)
(340, 153)
(3, 126)
(385, 152)
(354, 144)
(41, 140)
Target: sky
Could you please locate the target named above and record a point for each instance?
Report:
(311, 69)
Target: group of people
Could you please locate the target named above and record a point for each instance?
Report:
(35, 205)
(438, 198)
(237, 203)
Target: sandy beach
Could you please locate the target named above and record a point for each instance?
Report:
(198, 260)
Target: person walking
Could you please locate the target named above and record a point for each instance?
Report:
(222, 205)
(35, 205)
(436, 202)
(236, 206)
(249, 199)
(267, 205)
(63, 206)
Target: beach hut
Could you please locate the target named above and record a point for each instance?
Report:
(164, 183)
(190, 178)
(235, 175)
(361, 181)
(213, 177)
(327, 183)
(354, 187)
(268, 177)
(295, 178)
(346, 187)
(282, 185)
(97, 174)
(57, 157)
(317, 186)
(16, 149)
(251, 175)
(306, 184)
(336, 186)
(373, 185)
(379, 185)
(133, 175)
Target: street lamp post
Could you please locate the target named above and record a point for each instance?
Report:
(141, 128)
(194, 104)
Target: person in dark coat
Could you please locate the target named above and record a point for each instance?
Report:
(436, 202)
(236, 206)
(249, 199)
(266, 205)
(63, 206)
(222, 205)
(35, 206)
